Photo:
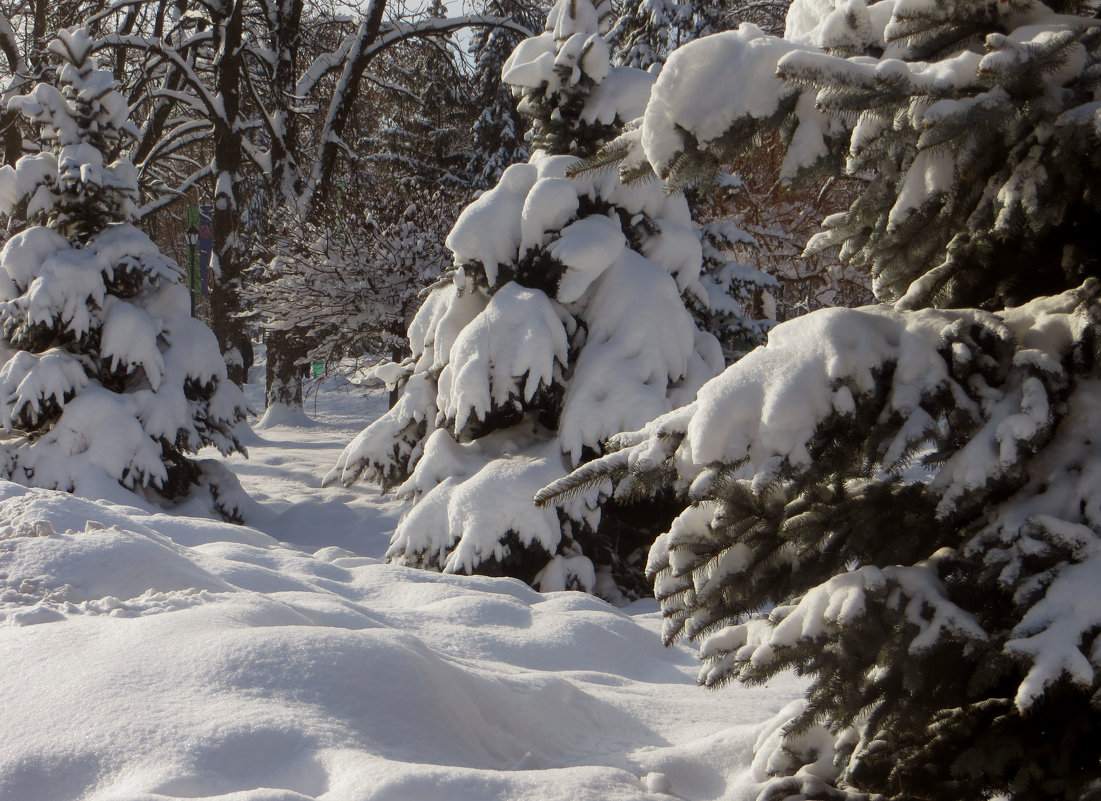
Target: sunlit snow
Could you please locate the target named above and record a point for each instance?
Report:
(152, 656)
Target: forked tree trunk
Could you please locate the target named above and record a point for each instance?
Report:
(286, 352)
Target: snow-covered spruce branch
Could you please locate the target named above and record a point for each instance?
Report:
(758, 649)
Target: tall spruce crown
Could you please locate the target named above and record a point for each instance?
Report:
(562, 320)
(105, 373)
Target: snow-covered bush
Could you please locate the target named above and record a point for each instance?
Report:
(900, 501)
(562, 321)
(105, 373)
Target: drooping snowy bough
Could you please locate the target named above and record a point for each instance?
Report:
(106, 378)
(562, 321)
(901, 501)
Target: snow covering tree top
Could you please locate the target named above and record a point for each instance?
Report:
(900, 501)
(561, 322)
(106, 375)
(558, 73)
(81, 123)
(973, 146)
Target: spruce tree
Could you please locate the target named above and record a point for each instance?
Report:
(106, 374)
(740, 306)
(899, 501)
(737, 296)
(561, 321)
(500, 129)
(647, 31)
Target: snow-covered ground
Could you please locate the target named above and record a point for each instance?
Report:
(152, 657)
(288, 458)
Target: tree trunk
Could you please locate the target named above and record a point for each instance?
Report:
(284, 375)
(344, 98)
(229, 162)
(286, 181)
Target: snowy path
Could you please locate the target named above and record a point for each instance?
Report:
(287, 461)
(154, 657)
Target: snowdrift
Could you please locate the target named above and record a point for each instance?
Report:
(150, 657)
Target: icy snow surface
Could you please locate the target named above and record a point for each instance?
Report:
(154, 657)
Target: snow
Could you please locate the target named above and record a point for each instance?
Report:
(444, 313)
(30, 172)
(550, 204)
(97, 440)
(587, 247)
(454, 501)
(487, 370)
(764, 411)
(831, 24)
(488, 230)
(531, 64)
(125, 245)
(29, 380)
(736, 71)
(771, 404)
(68, 280)
(622, 377)
(931, 174)
(1052, 635)
(584, 16)
(129, 339)
(152, 656)
(283, 414)
(623, 93)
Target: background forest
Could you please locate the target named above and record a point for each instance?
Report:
(336, 147)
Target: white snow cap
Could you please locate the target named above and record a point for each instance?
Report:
(708, 84)
(516, 345)
(488, 231)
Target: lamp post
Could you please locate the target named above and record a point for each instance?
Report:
(192, 236)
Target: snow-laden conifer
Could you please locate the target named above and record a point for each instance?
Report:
(900, 500)
(647, 31)
(499, 130)
(105, 375)
(562, 321)
(740, 305)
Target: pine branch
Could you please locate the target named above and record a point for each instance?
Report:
(604, 159)
(613, 467)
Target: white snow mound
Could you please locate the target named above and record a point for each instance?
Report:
(150, 658)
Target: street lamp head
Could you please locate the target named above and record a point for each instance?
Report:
(192, 234)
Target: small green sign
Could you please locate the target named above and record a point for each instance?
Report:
(317, 369)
